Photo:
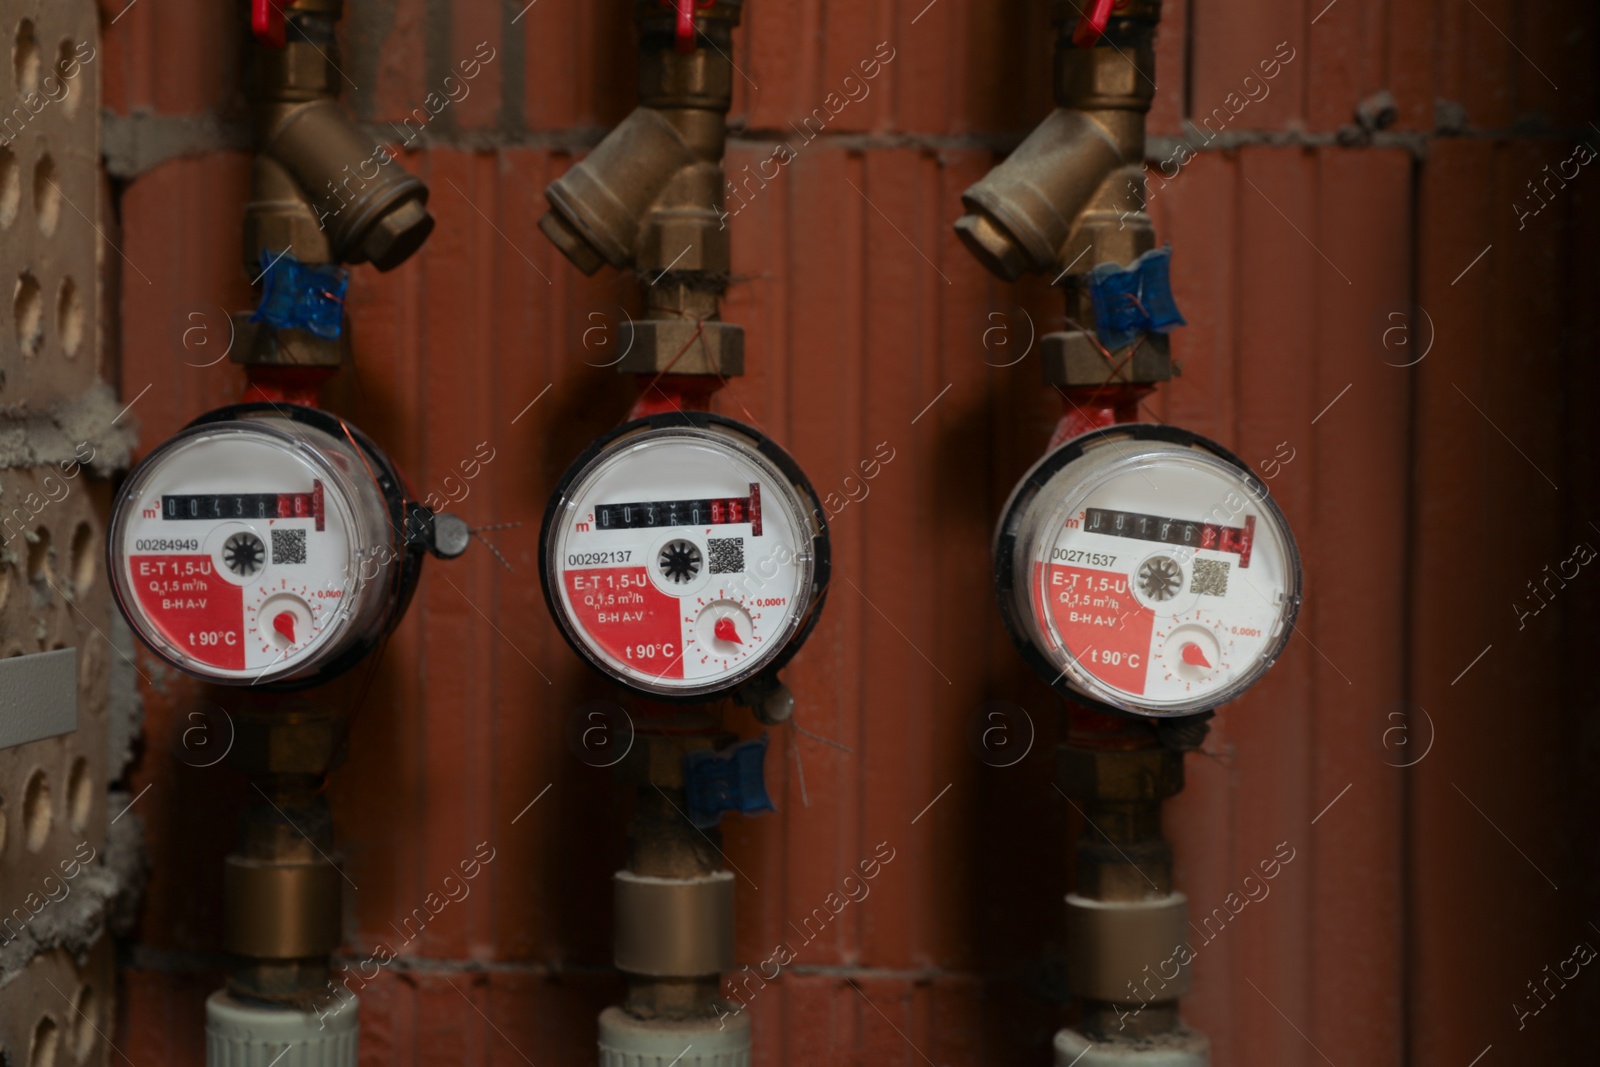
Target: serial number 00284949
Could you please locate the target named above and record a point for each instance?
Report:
(161, 544)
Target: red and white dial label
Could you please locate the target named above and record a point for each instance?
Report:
(198, 612)
(680, 562)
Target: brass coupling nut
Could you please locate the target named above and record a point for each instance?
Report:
(1119, 776)
(1074, 360)
(257, 344)
(280, 911)
(1128, 952)
(685, 347)
(674, 927)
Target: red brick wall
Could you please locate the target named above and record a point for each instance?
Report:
(1406, 926)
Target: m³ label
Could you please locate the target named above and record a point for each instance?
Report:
(38, 696)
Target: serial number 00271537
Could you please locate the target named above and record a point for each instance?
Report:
(1078, 555)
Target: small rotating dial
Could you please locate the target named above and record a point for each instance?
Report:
(683, 555)
(1146, 569)
(260, 546)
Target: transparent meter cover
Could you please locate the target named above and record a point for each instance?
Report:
(1147, 569)
(245, 551)
(684, 555)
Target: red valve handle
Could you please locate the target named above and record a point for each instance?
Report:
(1093, 24)
(267, 22)
(683, 39)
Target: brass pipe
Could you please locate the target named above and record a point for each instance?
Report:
(686, 863)
(282, 902)
(1072, 195)
(649, 197)
(322, 188)
(1070, 198)
(1124, 862)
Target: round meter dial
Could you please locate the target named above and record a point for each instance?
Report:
(262, 546)
(685, 554)
(1148, 570)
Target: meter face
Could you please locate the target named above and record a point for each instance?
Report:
(235, 551)
(1157, 576)
(680, 561)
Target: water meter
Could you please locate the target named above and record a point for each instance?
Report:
(685, 555)
(1146, 569)
(267, 544)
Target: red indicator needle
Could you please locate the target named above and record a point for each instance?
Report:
(1194, 655)
(724, 630)
(283, 622)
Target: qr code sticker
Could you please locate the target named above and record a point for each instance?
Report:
(288, 546)
(1210, 577)
(727, 555)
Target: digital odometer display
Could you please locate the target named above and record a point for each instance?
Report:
(1201, 535)
(182, 506)
(649, 515)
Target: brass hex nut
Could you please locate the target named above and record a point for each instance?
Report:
(256, 343)
(992, 246)
(297, 71)
(395, 236)
(572, 243)
(719, 348)
(1074, 360)
(288, 745)
(1132, 776)
(702, 79)
(1106, 77)
(686, 240)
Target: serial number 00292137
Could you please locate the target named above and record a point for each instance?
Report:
(590, 559)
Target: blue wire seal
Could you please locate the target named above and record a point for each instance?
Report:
(302, 296)
(731, 780)
(1134, 300)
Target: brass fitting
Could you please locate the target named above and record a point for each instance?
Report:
(282, 892)
(1072, 195)
(257, 344)
(322, 188)
(278, 910)
(1123, 952)
(650, 197)
(1124, 915)
(674, 927)
(674, 876)
(1121, 854)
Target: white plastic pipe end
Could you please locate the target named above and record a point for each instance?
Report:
(245, 1034)
(1186, 1048)
(629, 1042)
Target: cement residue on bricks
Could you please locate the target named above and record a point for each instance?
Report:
(91, 429)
